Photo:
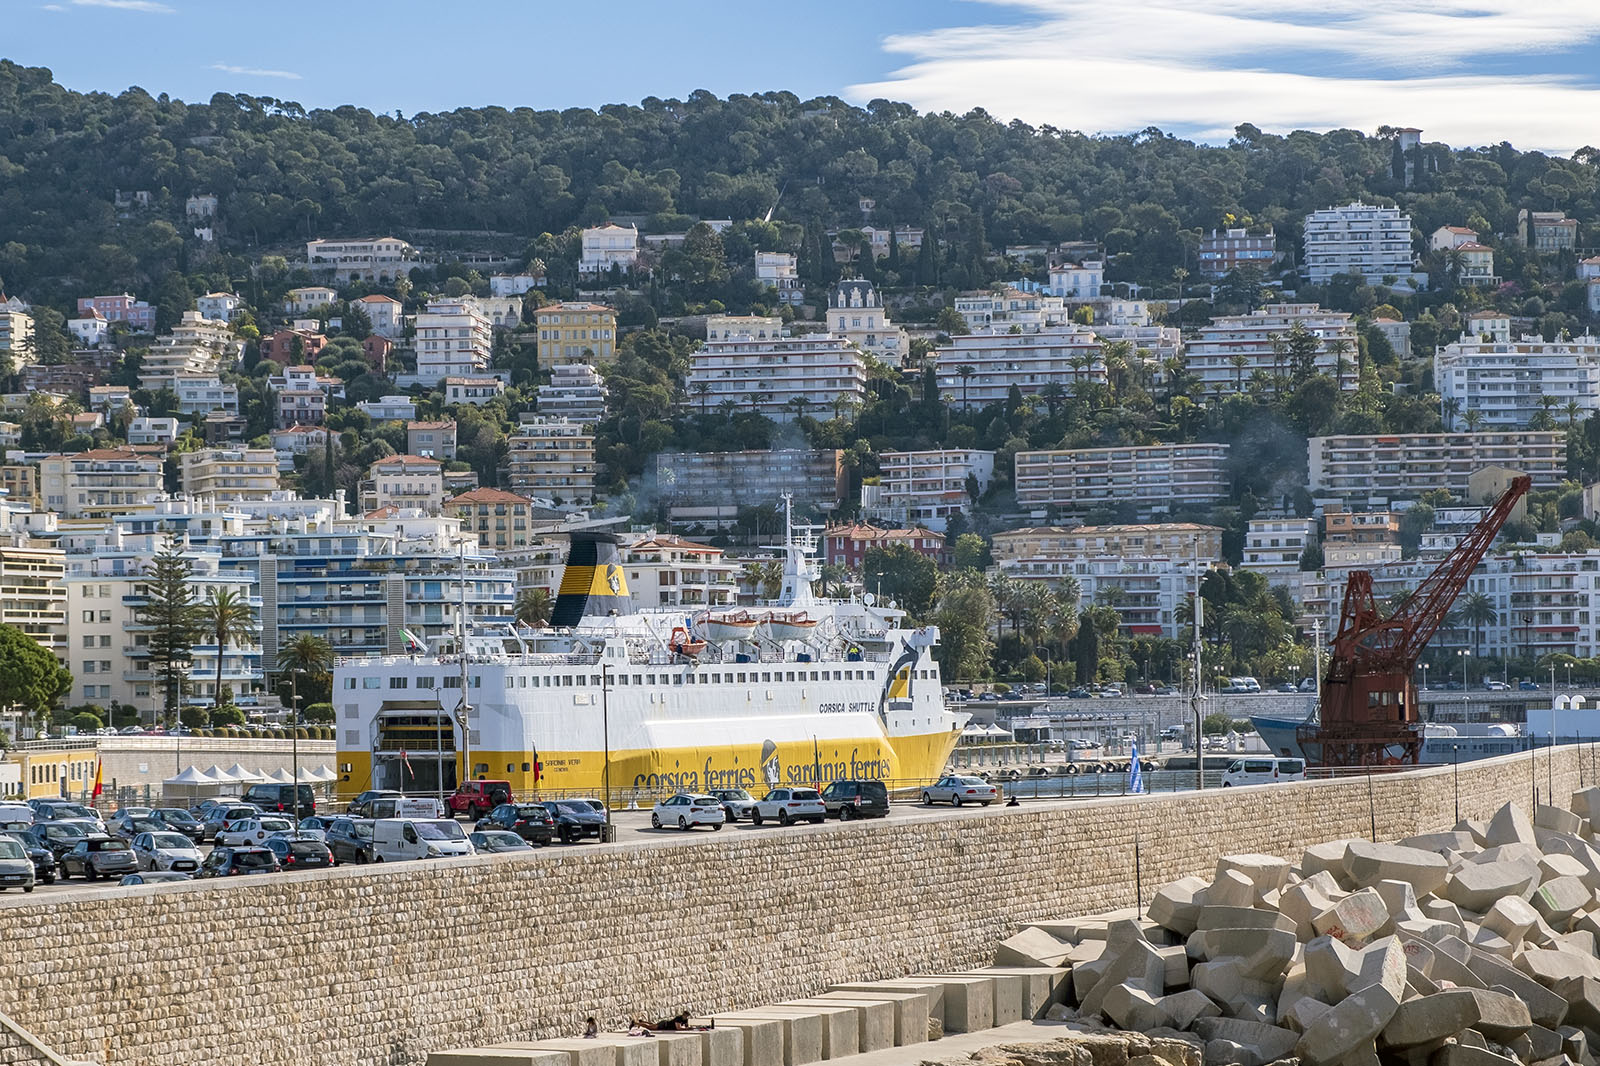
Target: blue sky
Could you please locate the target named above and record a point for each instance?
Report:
(1466, 72)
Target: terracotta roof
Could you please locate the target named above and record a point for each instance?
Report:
(668, 541)
(487, 495)
(862, 531)
(107, 453)
(386, 511)
(1459, 229)
(377, 298)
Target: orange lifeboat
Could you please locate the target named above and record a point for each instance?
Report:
(681, 643)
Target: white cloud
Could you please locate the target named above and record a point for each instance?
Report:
(1086, 65)
(146, 7)
(52, 7)
(255, 72)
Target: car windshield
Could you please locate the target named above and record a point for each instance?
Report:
(10, 849)
(253, 860)
(736, 794)
(172, 814)
(71, 810)
(439, 830)
(806, 794)
(503, 840)
(575, 807)
(64, 832)
(970, 781)
(114, 844)
(170, 840)
(276, 825)
(305, 847)
(361, 830)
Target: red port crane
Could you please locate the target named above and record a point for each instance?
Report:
(1369, 712)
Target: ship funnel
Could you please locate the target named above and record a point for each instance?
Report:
(593, 584)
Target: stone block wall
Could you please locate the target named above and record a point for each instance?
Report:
(375, 966)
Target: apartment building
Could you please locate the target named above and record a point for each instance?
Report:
(385, 313)
(1273, 546)
(1149, 480)
(389, 408)
(405, 482)
(1134, 541)
(137, 315)
(576, 332)
(576, 392)
(781, 271)
(286, 346)
(1547, 231)
(754, 327)
(856, 313)
(500, 520)
(711, 488)
(230, 473)
(373, 259)
(16, 337)
(1507, 383)
(1078, 281)
(473, 391)
(926, 487)
(818, 374)
(31, 595)
(1228, 352)
(218, 306)
(19, 484)
(297, 440)
(431, 440)
(1147, 592)
(1362, 239)
(607, 246)
(553, 459)
(848, 545)
(668, 571)
(307, 300)
(1010, 306)
(100, 483)
(453, 339)
(89, 330)
(1360, 538)
(980, 369)
(1405, 465)
(196, 346)
(1221, 253)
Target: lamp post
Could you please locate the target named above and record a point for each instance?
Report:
(438, 742)
(1464, 654)
(294, 751)
(605, 730)
(1425, 684)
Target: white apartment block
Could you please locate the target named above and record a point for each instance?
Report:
(31, 596)
(100, 483)
(1159, 479)
(513, 284)
(607, 246)
(389, 409)
(298, 440)
(781, 271)
(1256, 341)
(576, 392)
(1146, 592)
(1010, 307)
(552, 459)
(200, 394)
(751, 327)
(1137, 541)
(453, 339)
(218, 306)
(90, 330)
(668, 571)
(150, 430)
(1507, 383)
(305, 301)
(385, 314)
(377, 259)
(1361, 239)
(1273, 546)
(1399, 466)
(196, 345)
(777, 378)
(404, 482)
(856, 313)
(924, 488)
(431, 440)
(1078, 281)
(1068, 356)
(230, 473)
(473, 391)
(16, 337)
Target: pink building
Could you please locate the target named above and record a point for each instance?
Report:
(139, 316)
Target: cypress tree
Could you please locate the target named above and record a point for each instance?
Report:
(170, 613)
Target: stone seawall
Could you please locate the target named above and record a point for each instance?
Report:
(374, 967)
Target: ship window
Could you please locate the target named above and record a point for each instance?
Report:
(638, 679)
(398, 682)
(677, 679)
(425, 681)
(766, 676)
(791, 675)
(593, 680)
(650, 679)
(741, 677)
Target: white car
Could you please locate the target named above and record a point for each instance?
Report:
(252, 831)
(686, 810)
(788, 805)
(958, 790)
(166, 851)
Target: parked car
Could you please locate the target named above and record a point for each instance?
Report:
(1287, 686)
(313, 828)
(231, 862)
(1263, 770)
(97, 856)
(496, 841)
(477, 798)
(281, 799)
(300, 853)
(397, 839)
(350, 840)
(134, 826)
(16, 869)
(119, 821)
(180, 821)
(1528, 686)
(786, 805)
(166, 851)
(152, 877)
(577, 819)
(58, 837)
(248, 831)
(856, 799)
(1079, 694)
(736, 803)
(43, 859)
(361, 805)
(406, 807)
(1308, 684)
(687, 810)
(61, 812)
(1497, 686)
(959, 789)
(530, 821)
(220, 816)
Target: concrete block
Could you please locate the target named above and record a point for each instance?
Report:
(1133, 1009)
(1574, 1043)
(801, 1033)
(761, 1039)
(1224, 981)
(1231, 888)
(910, 1011)
(496, 1056)
(1529, 853)
(1267, 872)
(1176, 906)
(1550, 967)
(1176, 959)
(1271, 1041)
(718, 1047)
(1446, 844)
(602, 1051)
(1366, 864)
(1044, 985)
(1325, 858)
(1428, 1019)
(1353, 1022)
(1556, 820)
(1561, 864)
(1558, 899)
(1509, 826)
(969, 1001)
(1400, 897)
(1441, 910)
(1302, 1012)
(1357, 919)
(1467, 1055)
(1031, 947)
(681, 1049)
(1545, 1006)
(1009, 992)
(1510, 918)
(1477, 886)
(1542, 1043)
(1183, 1008)
(841, 1025)
(1266, 951)
(1219, 917)
(1138, 963)
(1582, 997)
(875, 1019)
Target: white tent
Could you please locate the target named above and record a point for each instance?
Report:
(192, 776)
(325, 773)
(221, 776)
(282, 776)
(238, 772)
(309, 777)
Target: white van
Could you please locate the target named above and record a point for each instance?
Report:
(397, 839)
(15, 816)
(406, 807)
(1263, 770)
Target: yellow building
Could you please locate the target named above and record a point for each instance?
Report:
(576, 333)
(20, 483)
(54, 772)
(499, 518)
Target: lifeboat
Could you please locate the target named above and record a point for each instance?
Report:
(681, 643)
(733, 625)
(795, 626)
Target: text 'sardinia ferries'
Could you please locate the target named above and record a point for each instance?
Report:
(799, 691)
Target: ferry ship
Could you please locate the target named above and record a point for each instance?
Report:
(801, 691)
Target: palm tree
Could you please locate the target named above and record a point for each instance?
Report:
(1449, 407)
(965, 372)
(702, 389)
(1573, 410)
(225, 614)
(1340, 350)
(309, 655)
(1477, 610)
(1239, 363)
(1473, 419)
(533, 607)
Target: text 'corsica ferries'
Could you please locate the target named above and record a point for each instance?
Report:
(798, 691)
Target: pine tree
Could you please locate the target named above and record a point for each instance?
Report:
(170, 613)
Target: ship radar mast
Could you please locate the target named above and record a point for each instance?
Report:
(799, 571)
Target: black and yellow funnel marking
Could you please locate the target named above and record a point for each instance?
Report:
(593, 584)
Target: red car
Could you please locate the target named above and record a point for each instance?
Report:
(477, 798)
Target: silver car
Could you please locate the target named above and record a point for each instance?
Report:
(166, 851)
(218, 817)
(16, 869)
(958, 789)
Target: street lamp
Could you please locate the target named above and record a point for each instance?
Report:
(1465, 654)
(1425, 681)
(605, 730)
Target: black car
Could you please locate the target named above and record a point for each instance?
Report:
(300, 854)
(361, 806)
(58, 837)
(134, 826)
(152, 877)
(179, 820)
(280, 799)
(44, 860)
(530, 821)
(576, 818)
(856, 799)
(94, 857)
(350, 840)
(229, 862)
(495, 841)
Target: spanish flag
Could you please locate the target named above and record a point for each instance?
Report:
(98, 765)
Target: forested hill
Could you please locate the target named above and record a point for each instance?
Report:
(284, 173)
